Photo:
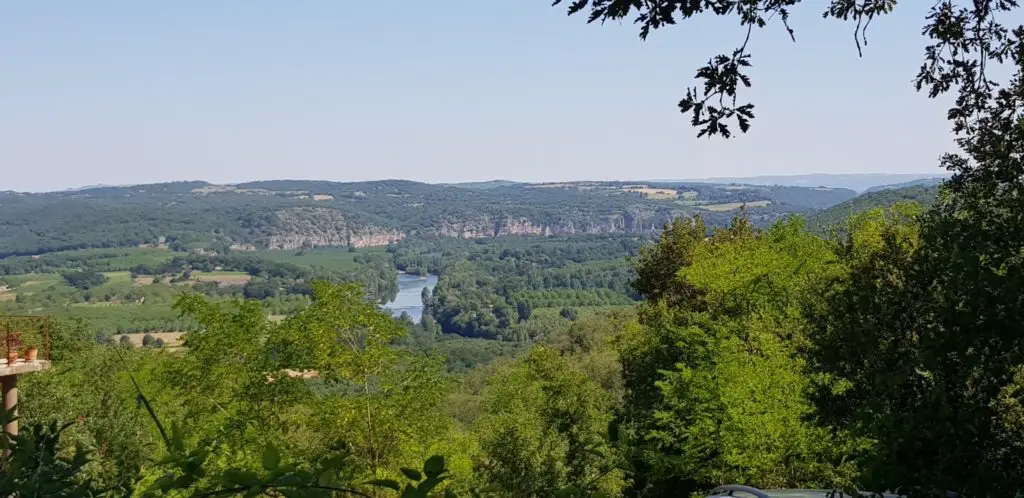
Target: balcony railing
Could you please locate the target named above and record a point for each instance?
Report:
(20, 334)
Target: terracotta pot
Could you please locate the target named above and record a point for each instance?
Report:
(31, 353)
(12, 356)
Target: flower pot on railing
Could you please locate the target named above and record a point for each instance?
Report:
(13, 343)
(31, 353)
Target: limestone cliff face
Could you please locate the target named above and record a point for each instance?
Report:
(319, 227)
(295, 228)
(373, 236)
(491, 226)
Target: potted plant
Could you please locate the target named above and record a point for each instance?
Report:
(12, 349)
(31, 352)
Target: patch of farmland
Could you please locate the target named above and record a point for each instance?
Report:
(654, 193)
(226, 278)
(730, 206)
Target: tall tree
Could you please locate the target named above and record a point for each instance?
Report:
(228, 382)
(378, 402)
(922, 343)
(544, 429)
(715, 385)
(658, 265)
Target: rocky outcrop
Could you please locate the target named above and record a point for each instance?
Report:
(374, 237)
(320, 227)
(488, 226)
(295, 228)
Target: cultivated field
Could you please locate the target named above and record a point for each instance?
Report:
(30, 279)
(654, 193)
(730, 206)
(224, 277)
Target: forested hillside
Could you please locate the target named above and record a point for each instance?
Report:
(859, 182)
(833, 217)
(924, 182)
(492, 290)
(294, 214)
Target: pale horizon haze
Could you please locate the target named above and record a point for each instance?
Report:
(128, 92)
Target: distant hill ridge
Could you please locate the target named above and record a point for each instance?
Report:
(822, 221)
(923, 182)
(289, 214)
(859, 182)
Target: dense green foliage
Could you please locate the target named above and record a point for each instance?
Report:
(101, 260)
(356, 406)
(714, 379)
(544, 427)
(491, 289)
(918, 345)
(245, 367)
(926, 358)
(131, 289)
(84, 279)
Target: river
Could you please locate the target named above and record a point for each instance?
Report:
(409, 298)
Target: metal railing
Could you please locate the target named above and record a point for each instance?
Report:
(21, 333)
(729, 489)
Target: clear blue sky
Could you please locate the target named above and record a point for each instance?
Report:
(132, 91)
